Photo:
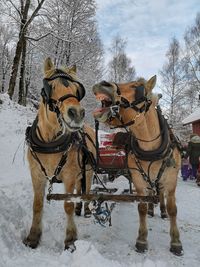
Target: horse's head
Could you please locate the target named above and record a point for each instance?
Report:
(123, 102)
(61, 94)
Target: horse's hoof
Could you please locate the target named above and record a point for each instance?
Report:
(150, 213)
(32, 243)
(87, 213)
(164, 215)
(78, 212)
(78, 209)
(141, 247)
(70, 247)
(177, 250)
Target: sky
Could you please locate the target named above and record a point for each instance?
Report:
(147, 26)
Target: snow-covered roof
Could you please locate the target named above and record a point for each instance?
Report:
(195, 116)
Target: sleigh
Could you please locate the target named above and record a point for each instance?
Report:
(111, 162)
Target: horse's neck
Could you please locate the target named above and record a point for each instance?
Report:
(148, 129)
(48, 124)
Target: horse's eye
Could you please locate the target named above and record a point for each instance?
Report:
(65, 82)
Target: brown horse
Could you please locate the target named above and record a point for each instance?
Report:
(153, 159)
(54, 145)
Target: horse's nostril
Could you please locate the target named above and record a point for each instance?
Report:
(72, 113)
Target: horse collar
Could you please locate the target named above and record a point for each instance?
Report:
(60, 145)
(160, 152)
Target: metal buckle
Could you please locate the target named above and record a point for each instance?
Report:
(114, 110)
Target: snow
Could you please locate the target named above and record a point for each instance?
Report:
(97, 246)
(195, 116)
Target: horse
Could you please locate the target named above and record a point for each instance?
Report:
(153, 156)
(56, 144)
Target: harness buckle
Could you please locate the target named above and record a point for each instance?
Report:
(114, 110)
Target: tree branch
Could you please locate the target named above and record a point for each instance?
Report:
(16, 9)
(33, 14)
(39, 38)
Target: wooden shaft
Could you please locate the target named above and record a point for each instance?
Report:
(102, 197)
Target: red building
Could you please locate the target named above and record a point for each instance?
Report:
(194, 119)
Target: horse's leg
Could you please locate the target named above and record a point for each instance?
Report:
(141, 243)
(151, 208)
(33, 238)
(71, 231)
(175, 245)
(79, 205)
(163, 211)
(87, 212)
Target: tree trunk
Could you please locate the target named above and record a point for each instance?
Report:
(22, 94)
(15, 67)
(19, 47)
(3, 81)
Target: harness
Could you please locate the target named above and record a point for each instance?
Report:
(62, 142)
(165, 150)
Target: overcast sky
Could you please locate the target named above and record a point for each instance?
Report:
(147, 26)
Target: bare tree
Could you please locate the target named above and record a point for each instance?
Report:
(20, 11)
(192, 60)
(63, 29)
(74, 40)
(119, 67)
(172, 80)
(5, 54)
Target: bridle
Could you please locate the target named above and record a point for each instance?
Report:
(54, 105)
(140, 97)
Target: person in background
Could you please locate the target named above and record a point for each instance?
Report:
(193, 151)
(185, 165)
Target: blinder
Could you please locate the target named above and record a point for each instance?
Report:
(139, 92)
(139, 98)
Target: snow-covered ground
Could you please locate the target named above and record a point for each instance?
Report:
(97, 246)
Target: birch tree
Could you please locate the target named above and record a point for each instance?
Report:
(192, 61)
(120, 67)
(172, 80)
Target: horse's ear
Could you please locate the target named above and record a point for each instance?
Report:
(48, 65)
(73, 69)
(151, 83)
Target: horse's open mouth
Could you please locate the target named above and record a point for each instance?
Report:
(104, 109)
